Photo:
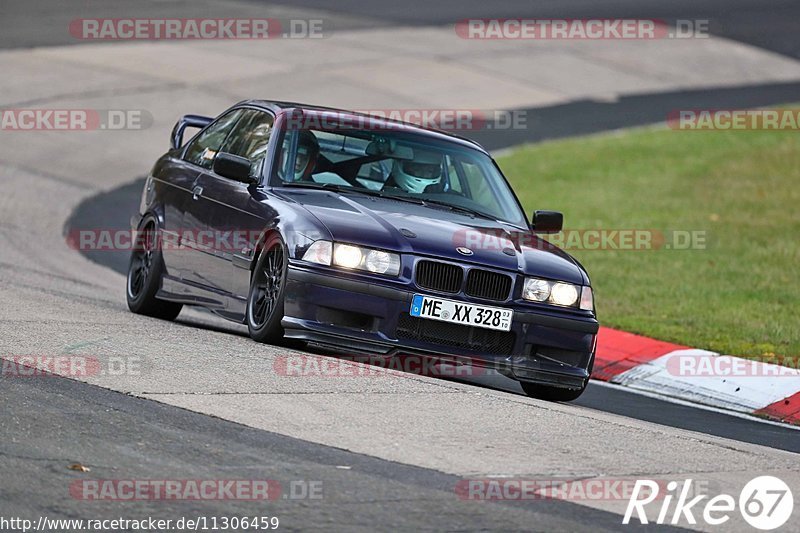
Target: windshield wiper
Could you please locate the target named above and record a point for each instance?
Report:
(358, 190)
(460, 209)
(313, 185)
(402, 198)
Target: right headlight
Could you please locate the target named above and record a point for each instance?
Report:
(558, 293)
(350, 256)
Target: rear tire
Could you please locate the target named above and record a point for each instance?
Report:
(265, 300)
(144, 276)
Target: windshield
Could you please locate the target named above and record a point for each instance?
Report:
(400, 164)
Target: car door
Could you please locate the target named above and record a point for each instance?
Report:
(235, 217)
(196, 250)
(172, 181)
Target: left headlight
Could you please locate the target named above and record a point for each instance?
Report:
(558, 293)
(350, 256)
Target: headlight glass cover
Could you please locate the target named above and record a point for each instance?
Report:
(537, 290)
(347, 256)
(587, 299)
(353, 257)
(558, 293)
(320, 252)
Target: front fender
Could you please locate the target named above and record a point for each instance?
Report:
(297, 228)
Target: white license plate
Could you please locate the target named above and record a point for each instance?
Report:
(461, 313)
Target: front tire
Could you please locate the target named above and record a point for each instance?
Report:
(555, 394)
(144, 276)
(552, 394)
(267, 286)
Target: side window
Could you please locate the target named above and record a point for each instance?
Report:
(202, 150)
(250, 137)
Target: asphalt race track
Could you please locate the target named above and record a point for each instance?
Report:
(202, 401)
(774, 28)
(139, 437)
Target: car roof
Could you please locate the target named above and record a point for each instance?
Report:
(277, 106)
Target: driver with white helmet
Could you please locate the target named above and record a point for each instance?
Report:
(416, 175)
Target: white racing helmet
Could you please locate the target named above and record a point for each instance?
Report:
(415, 175)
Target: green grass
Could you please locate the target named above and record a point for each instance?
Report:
(740, 295)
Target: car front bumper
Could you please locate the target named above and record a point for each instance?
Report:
(358, 316)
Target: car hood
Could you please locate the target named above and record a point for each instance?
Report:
(430, 231)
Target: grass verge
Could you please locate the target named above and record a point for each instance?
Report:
(738, 295)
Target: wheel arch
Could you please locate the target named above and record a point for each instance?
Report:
(297, 235)
(266, 234)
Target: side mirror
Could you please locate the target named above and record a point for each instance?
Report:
(187, 121)
(547, 221)
(233, 167)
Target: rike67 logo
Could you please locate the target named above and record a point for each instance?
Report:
(766, 503)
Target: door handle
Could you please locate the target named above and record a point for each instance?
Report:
(197, 192)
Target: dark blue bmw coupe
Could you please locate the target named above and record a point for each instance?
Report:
(361, 234)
